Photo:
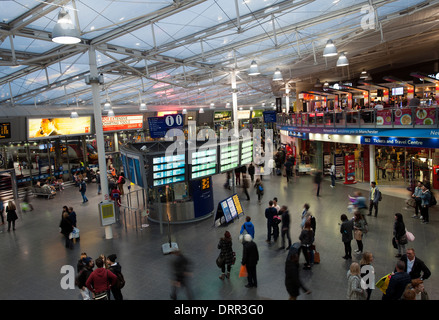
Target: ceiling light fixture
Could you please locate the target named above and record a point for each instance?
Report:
(64, 31)
(74, 115)
(342, 61)
(330, 49)
(277, 76)
(110, 113)
(201, 110)
(254, 70)
(184, 111)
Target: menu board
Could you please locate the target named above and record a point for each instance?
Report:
(204, 163)
(168, 169)
(229, 156)
(246, 151)
(5, 130)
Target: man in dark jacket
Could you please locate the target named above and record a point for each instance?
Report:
(415, 266)
(250, 258)
(116, 268)
(85, 272)
(399, 280)
(293, 283)
(270, 212)
(285, 216)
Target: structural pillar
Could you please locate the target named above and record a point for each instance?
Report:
(372, 165)
(94, 76)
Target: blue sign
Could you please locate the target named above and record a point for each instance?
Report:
(401, 142)
(269, 116)
(159, 126)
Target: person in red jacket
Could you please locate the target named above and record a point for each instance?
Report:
(100, 281)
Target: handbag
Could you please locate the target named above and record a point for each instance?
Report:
(410, 236)
(243, 271)
(220, 261)
(358, 234)
(101, 296)
(395, 245)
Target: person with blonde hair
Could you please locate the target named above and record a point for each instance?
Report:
(11, 215)
(355, 290)
(417, 286)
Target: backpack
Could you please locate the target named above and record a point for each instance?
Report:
(433, 200)
(261, 188)
(122, 180)
(120, 281)
(380, 195)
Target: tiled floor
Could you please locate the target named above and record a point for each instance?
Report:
(32, 256)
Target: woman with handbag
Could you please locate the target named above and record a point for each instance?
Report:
(399, 234)
(359, 230)
(226, 256)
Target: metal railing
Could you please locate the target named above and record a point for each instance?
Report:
(407, 117)
(134, 206)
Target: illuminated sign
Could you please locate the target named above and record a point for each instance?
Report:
(246, 151)
(52, 127)
(5, 130)
(128, 122)
(229, 157)
(168, 169)
(203, 162)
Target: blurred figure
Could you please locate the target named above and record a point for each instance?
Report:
(180, 266)
(292, 278)
(11, 215)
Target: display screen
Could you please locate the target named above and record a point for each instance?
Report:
(203, 162)
(229, 156)
(51, 127)
(398, 91)
(168, 169)
(5, 130)
(128, 122)
(222, 116)
(246, 151)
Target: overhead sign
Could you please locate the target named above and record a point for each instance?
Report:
(229, 156)
(167, 170)
(5, 130)
(51, 127)
(246, 151)
(222, 116)
(269, 116)
(159, 126)
(401, 142)
(204, 163)
(127, 122)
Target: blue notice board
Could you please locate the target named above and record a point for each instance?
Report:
(269, 116)
(159, 126)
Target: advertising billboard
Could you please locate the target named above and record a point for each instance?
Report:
(52, 127)
(122, 122)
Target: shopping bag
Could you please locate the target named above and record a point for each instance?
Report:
(410, 236)
(243, 271)
(383, 283)
(316, 257)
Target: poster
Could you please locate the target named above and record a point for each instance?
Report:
(384, 117)
(350, 169)
(403, 116)
(51, 127)
(425, 116)
(117, 123)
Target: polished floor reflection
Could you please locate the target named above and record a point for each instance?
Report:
(32, 256)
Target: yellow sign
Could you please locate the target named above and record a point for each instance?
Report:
(237, 204)
(107, 211)
(50, 127)
(205, 183)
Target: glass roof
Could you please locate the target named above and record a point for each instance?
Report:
(164, 49)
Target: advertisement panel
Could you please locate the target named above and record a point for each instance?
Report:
(118, 123)
(50, 127)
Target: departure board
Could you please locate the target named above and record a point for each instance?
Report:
(246, 151)
(204, 163)
(168, 169)
(5, 130)
(229, 156)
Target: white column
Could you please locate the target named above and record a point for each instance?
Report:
(287, 98)
(99, 130)
(372, 166)
(234, 103)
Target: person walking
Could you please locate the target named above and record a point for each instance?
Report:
(100, 281)
(270, 212)
(259, 189)
(399, 233)
(251, 171)
(306, 238)
(359, 231)
(83, 189)
(66, 228)
(2, 210)
(293, 282)
(389, 170)
(226, 255)
(248, 227)
(11, 215)
(425, 204)
(332, 174)
(416, 196)
(285, 227)
(246, 185)
(250, 258)
(355, 291)
(289, 169)
(26, 201)
(346, 228)
(181, 271)
(368, 273)
(98, 181)
(121, 182)
(374, 198)
(318, 180)
(116, 268)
